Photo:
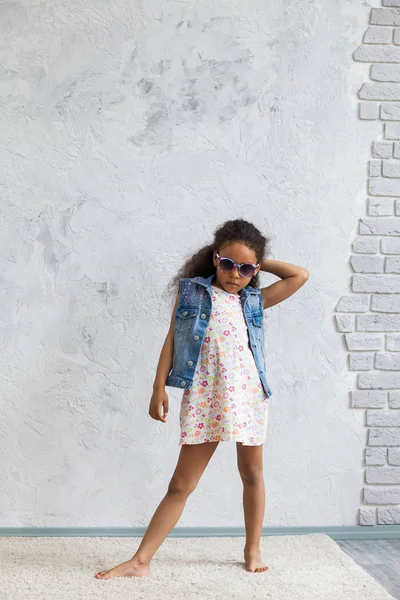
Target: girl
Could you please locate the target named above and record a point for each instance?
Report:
(217, 325)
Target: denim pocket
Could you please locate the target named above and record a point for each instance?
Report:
(185, 320)
(186, 313)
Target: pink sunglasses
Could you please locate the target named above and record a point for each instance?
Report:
(227, 265)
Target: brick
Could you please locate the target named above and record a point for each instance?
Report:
(382, 149)
(384, 436)
(390, 245)
(385, 303)
(379, 90)
(368, 110)
(367, 264)
(381, 495)
(377, 53)
(396, 149)
(394, 399)
(380, 206)
(392, 264)
(388, 516)
(377, 35)
(396, 36)
(397, 207)
(366, 245)
(378, 322)
(345, 323)
(375, 456)
(391, 131)
(355, 303)
(383, 418)
(387, 284)
(385, 16)
(391, 168)
(390, 111)
(387, 361)
(368, 399)
(391, 2)
(364, 341)
(382, 475)
(375, 168)
(378, 381)
(393, 456)
(379, 226)
(392, 341)
(367, 516)
(383, 187)
(382, 72)
(361, 361)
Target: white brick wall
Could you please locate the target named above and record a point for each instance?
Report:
(369, 317)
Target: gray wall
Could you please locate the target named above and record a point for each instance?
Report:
(128, 132)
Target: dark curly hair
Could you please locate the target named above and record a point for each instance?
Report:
(201, 263)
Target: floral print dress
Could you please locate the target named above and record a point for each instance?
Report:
(227, 401)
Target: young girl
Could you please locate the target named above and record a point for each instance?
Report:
(215, 346)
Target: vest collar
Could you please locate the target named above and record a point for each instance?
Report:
(207, 281)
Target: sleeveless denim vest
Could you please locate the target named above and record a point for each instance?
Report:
(191, 320)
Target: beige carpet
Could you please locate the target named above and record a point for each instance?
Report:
(301, 567)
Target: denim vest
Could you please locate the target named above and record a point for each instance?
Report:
(191, 320)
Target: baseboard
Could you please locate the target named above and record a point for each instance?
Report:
(357, 532)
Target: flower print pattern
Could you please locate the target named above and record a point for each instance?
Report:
(227, 401)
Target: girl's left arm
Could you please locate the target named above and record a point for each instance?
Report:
(292, 276)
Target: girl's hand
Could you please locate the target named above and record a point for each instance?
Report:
(159, 400)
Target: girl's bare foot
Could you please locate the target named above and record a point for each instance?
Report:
(253, 561)
(130, 568)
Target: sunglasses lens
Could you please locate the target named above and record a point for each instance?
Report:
(247, 270)
(226, 264)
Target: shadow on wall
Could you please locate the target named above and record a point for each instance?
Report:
(369, 317)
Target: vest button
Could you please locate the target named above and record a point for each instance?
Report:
(203, 316)
(190, 363)
(185, 313)
(183, 383)
(196, 337)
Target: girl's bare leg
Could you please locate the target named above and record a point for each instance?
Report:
(250, 465)
(192, 462)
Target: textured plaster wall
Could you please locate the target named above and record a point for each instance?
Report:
(128, 132)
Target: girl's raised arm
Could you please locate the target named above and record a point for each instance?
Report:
(292, 276)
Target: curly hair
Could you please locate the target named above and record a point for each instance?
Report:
(201, 263)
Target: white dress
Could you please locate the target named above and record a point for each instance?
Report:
(227, 401)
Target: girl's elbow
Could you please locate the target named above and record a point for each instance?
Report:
(305, 274)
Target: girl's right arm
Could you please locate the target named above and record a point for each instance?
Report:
(159, 398)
